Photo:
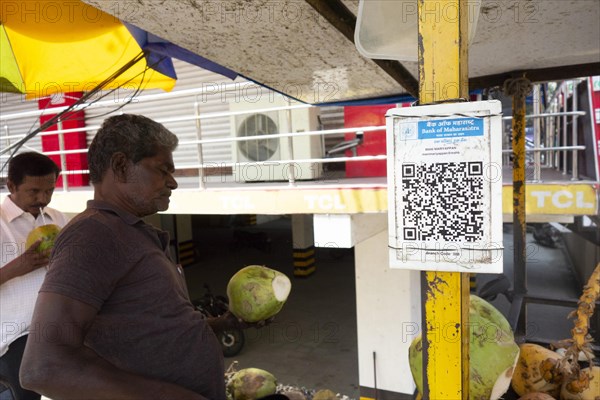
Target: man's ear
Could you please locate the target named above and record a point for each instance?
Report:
(11, 186)
(119, 165)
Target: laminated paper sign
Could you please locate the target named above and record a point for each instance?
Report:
(445, 187)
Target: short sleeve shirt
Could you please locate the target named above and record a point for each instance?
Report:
(118, 264)
(18, 295)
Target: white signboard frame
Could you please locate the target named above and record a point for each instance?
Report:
(445, 187)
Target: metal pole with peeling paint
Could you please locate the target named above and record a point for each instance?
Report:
(519, 88)
(443, 77)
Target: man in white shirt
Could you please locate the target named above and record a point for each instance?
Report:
(31, 182)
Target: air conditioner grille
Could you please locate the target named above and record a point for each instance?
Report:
(260, 149)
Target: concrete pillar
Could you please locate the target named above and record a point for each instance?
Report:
(388, 308)
(179, 227)
(345, 230)
(303, 242)
(388, 303)
(185, 243)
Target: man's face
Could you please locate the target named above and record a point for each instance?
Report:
(34, 192)
(150, 183)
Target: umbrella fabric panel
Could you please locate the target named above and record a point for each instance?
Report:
(74, 53)
(10, 77)
(159, 53)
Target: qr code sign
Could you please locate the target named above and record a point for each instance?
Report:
(443, 201)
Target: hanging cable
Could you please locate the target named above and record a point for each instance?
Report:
(83, 100)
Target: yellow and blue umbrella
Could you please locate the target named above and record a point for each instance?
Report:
(49, 47)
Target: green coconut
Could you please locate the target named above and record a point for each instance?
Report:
(257, 293)
(251, 384)
(47, 233)
(493, 352)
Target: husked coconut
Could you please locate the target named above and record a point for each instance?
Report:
(535, 371)
(251, 384)
(591, 379)
(493, 352)
(256, 292)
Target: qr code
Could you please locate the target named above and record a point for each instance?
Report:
(443, 201)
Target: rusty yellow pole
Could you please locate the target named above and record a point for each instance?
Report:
(519, 88)
(443, 76)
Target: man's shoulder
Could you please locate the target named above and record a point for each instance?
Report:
(85, 226)
(92, 218)
(8, 209)
(4, 217)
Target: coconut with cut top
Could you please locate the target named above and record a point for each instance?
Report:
(493, 352)
(257, 292)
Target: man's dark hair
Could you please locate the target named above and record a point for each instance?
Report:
(30, 164)
(135, 136)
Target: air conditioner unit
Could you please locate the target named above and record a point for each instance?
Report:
(259, 160)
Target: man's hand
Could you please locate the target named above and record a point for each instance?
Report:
(229, 321)
(30, 260)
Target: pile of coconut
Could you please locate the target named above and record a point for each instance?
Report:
(257, 293)
(566, 371)
(496, 362)
(255, 383)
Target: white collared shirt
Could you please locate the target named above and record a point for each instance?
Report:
(18, 295)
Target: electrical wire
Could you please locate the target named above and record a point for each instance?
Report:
(84, 100)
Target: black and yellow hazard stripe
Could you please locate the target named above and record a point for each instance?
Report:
(187, 255)
(473, 283)
(304, 261)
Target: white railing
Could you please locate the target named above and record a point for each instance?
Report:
(554, 141)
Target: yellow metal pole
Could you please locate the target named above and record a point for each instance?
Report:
(519, 88)
(443, 76)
